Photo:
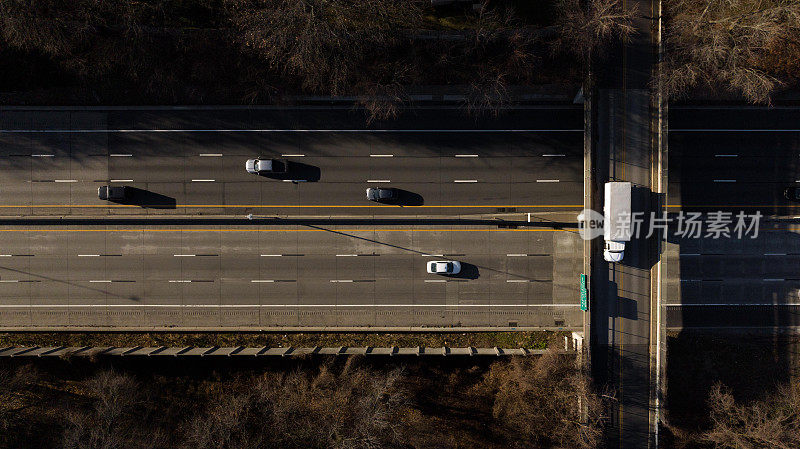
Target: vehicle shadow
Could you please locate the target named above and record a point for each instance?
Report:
(298, 171)
(147, 199)
(468, 271)
(406, 198)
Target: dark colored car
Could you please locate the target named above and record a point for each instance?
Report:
(382, 194)
(109, 193)
(792, 193)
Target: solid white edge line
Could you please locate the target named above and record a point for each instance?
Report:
(277, 130)
(281, 306)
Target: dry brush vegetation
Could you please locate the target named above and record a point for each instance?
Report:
(300, 403)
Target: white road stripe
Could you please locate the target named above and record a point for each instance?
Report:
(341, 280)
(690, 254)
(5, 255)
(378, 180)
(773, 279)
(293, 155)
(774, 254)
(43, 155)
(724, 180)
(465, 180)
(88, 255)
(432, 255)
(271, 255)
(278, 130)
(65, 180)
(262, 280)
(381, 155)
(210, 154)
(726, 155)
(9, 280)
(554, 155)
(516, 255)
(120, 155)
(180, 281)
(102, 281)
(762, 304)
(346, 255)
(202, 180)
(435, 280)
(466, 155)
(184, 255)
(281, 306)
(517, 280)
(548, 180)
(121, 180)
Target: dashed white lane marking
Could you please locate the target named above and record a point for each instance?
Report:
(43, 155)
(180, 281)
(9, 280)
(435, 280)
(554, 155)
(341, 280)
(202, 180)
(774, 254)
(293, 155)
(262, 280)
(726, 155)
(120, 155)
(465, 180)
(121, 180)
(5, 255)
(432, 255)
(773, 279)
(346, 255)
(381, 155)
(548, 180)
(210, 154)
(184, 255)
(724, 180)
(379, 180)
(88, 255)
(516, 255)
(517, 280)
(271, 255)
(690, 254)
(466, 155)
(104, 281)
(65, 180)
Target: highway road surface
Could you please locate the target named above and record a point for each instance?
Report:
(192, 162)
(735, 159)
(312, 270)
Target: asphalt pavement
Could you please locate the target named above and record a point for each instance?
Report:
(316, 253)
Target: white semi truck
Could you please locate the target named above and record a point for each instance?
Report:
(616, 220)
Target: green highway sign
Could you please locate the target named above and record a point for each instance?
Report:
(584, 294)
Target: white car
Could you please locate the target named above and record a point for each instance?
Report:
(266, 166)
(443, 267)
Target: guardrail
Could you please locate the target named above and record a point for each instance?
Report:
(241, 351)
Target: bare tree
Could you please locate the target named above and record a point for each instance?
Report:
(539, 400)
(586, 29)
(723, 45)
(773, 422)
